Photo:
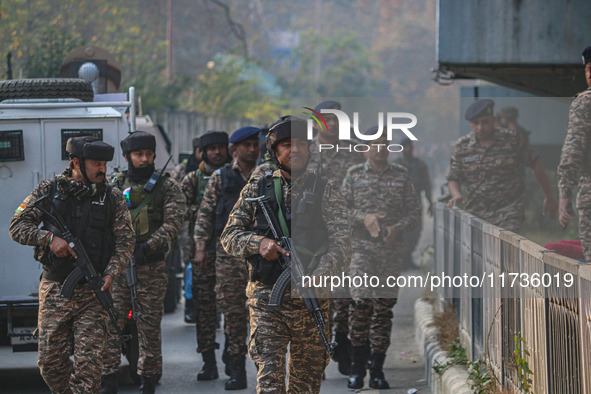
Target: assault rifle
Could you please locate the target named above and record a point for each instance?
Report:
(292, 268)
(132, 284)
(83, 268)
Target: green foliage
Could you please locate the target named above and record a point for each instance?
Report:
(47, 54)
(227, 90)
(456, 355)
(522, 366)
(479, 376)
(332, 66)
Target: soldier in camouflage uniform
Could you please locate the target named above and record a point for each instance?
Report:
(214, 145)
(575, 162)
(419, 175)
(188, 165)
(383, 205)
(221, 194)
(489, 162)
(193, 188)
(334, 166)
(75, 326)
(246, 235)
(157, 217)
(184, 242)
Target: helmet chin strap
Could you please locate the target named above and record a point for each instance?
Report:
(83, 169)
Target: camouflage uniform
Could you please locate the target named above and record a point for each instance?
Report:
(493, 176)
(185, 236)
(193, 186)
(152, 279)
(184, 167)
(575, 165)
(390, 192)
(230, 271)
(419, 176)
(267, 165)
(334, 167)
(77, 326)
(273, 329)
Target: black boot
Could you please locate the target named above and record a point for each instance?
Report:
(226, 358)
(147, 385)
(190, 311)
(210, 367)
(237, 379)
(342, 352)
(376, 372)
(109, 384)
(359, 357)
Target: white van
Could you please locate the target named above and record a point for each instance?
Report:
(34, 128)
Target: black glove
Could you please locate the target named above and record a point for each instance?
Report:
(141, 250)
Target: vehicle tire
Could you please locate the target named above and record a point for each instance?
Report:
(47, 88)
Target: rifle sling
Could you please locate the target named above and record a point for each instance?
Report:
(281, 217)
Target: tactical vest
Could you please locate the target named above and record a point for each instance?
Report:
(89, 220)
(232, 184)
(307, 228)
(151, 216)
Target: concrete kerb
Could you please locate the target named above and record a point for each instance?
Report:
(455, 379)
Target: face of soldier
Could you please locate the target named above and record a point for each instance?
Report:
(588, 73)
(332, 133)
(95, 170)
(483, 126)
(247, 151)
(217, 154)
(141, 158)
(378, 153)
(292, 153)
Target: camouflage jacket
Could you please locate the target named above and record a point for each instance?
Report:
(173, 212)
(191, 187)
(334, 163)
(240, 239)
(205, 224)
(493, 175)
(24, 227)
(575, 160)
(390, 192)
(183, 168)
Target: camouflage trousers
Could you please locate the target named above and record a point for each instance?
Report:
(205, 304)
(152, 279)
(77, 326)
(585, 231)
(271, 330)
(370, 321)
(186, 243)
(339, 308)
(370, 318)
(231, 277)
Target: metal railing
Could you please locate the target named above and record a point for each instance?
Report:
(529, 298)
